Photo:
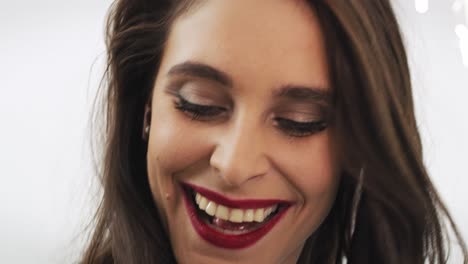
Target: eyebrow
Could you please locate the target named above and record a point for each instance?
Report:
(201, 70)
(289, 91)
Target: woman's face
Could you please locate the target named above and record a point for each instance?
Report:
(239, 129)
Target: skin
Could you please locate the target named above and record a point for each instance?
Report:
(242, 153)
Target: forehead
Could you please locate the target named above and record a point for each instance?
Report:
(261, 42)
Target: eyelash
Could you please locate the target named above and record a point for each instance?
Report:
(290, 127)
(300, 129)
(196, 111)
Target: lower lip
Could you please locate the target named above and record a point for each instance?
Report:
(228, 241)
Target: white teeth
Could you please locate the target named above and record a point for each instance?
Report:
(259, 215)
(203, 203)
(211, 208)
(222, 212)
(268, 211)
(274, 207)
(236, 215)
(248, 215)
(233, 214)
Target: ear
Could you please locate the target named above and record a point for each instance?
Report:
(146, 122)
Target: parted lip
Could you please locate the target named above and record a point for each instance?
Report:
(221, 239)
(235, 203)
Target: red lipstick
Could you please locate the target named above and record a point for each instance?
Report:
(241, 204)
(230, 241)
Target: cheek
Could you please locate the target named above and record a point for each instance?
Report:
(312, 168)
(174, 144)
(177, 143)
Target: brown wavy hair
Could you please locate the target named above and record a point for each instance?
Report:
(398, 218)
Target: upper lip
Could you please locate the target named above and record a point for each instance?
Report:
(241, 204)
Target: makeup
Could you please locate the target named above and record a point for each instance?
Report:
(228, 223)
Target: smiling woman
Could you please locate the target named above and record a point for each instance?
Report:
(262, 132)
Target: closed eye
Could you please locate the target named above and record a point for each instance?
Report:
(300, 129)
(288, 126)
(198, 111)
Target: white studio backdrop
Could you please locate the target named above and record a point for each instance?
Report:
(51, 62)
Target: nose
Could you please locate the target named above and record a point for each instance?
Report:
(240, 154)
